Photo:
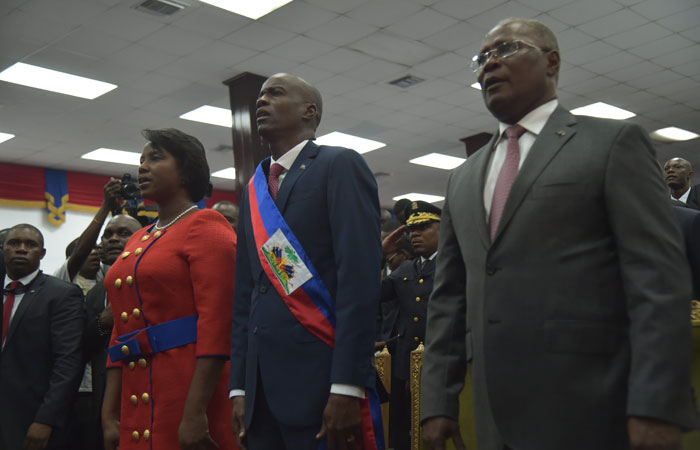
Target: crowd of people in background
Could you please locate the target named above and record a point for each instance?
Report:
(142, 336)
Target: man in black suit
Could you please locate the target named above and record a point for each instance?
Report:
(678, 172)
(40, 362)
(87, 409)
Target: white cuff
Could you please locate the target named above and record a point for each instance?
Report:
(236, 393)
(348, 389)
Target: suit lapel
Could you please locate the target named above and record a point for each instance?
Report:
(476, 189)
(303, 161)
(27, 300)
(556, 132)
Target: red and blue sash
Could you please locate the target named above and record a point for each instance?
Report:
(311, 303)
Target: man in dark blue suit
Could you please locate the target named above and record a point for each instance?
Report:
(289, 388)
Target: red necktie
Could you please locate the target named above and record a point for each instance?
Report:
(273, 179)
(506, 176)
(7, 307)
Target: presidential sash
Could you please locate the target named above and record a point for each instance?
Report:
(301, 288)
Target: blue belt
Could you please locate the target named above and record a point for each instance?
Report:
(156, 338)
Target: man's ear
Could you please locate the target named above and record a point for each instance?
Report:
(553, 63)
(310, 111)
(43, 253)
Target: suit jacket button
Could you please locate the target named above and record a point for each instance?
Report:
(418, 299)
(263, 289)
(145, 397)
(147, 433)
(142, 363)
(416, 338)
(125, 350)
(118, 283)
(134, 400)
(138, 251)
(132, 365)
(420, 281)
(135, 435)
(136, 313)
(125, 317)
(415, 319)
(490, 270)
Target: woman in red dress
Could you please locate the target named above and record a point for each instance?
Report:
(171, 293)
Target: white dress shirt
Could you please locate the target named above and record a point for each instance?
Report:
(533, 122)
(683, 198)
(18, 297)
(286, 161)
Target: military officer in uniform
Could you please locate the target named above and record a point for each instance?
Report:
(409, 286)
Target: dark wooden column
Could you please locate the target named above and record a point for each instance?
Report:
(474, 142)
(247, 149)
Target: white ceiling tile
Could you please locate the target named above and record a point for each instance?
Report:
(436, 88)
(445, 64)
(455, 115)
(457, 36)
(301, 49)
(63, 61)
(462, 10)
(91, 41)
(298, 17)
(402, 101)
(682, 85)
(339, 85)
(422, 24)
(221, 54)
(628, 2)
(571, 39)
(341, 31)
(511, 9)
(639, 35)
(143, 58)
(680, 57)
(574, 75)
(625, 74)
(654, 9)
(340, 60)
(662, 46)
(265, 64)
(311, 74)
(139, 26)
(693, 34)
(463, 98)
(591, 85)
(655, 79)
(394, 48)
(258, 36)
(71, 13)
(553, 24)
(545, 5)
(375, 93)
(577, 13)
(376, 71)
(613, 62)
(589, 52)
(682, 21)
(690, 69)
(339, 6)
(614, 23)
(428, 108)
(175, 41)
(383, 13)
(21, 25)
(210, 21)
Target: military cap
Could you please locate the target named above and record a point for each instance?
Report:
(420, 212)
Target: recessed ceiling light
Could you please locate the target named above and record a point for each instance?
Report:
(229, 173)
(360, 145)
(476, 86)
(55, 81)
(251, 9)
(414, 196)
(438, 160)
(5, 137)
(212, 115)
(604, 111)
(673, 134)
(114, 156)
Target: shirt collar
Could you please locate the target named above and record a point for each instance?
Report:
(423, 260)
(535, 120)
(288, 158)
(24, 280)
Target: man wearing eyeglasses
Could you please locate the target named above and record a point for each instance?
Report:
(560, 277)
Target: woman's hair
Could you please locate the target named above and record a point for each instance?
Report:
(189, 154)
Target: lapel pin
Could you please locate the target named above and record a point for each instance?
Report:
(302, 167)
(561, 133)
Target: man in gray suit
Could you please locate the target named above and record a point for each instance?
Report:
(561, 276)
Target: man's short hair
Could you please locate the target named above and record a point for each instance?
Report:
(542, 31)
(29, 227)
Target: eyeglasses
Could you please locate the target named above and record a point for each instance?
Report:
(501, 51)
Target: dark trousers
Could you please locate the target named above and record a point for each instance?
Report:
(399, 415)
(266, 433)
(84, 425)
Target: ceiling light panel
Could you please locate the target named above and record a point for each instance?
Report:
(212, 115)
(55, 81)
(229, 173)
(414, 196)
(247, 8)
(604, 111)
(360, 145)
(438, 160)
(114, 156)
(5, 137)
(674, 134)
